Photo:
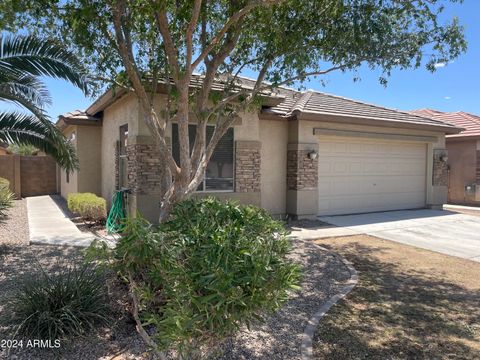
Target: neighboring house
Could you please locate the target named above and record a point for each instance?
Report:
(463, 155)
(303, 154)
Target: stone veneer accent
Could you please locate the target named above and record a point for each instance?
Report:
(117, 165)
(144, 168)
(478, 168)
(247, 166)
(440, 168)
(302, 172)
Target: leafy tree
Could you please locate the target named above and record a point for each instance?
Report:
(138, 43)
(22, 60)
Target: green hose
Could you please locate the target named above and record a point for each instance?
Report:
(116, 214)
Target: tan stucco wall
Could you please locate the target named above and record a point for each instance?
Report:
(274, 138)
(72, 185)
(303, 132)
(89, 155)
(462, 159)
(124, 111)
(88, 146)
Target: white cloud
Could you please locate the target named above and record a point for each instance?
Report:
(447, 97)
(440, 65)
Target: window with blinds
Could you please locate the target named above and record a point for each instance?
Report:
(219, 173)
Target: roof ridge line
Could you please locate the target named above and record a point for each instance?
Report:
(301, 102)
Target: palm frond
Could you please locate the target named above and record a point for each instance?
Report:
(26, 91)
(39, 57)
(17, 128)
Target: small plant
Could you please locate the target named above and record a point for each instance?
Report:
(6, 197)
(89, 206)
(66, 303)
(211, 268)
(23, 149)
(4, 183)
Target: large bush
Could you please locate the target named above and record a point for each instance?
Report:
(211, 268)
(89, 206)
(70, 302)
(6, 196)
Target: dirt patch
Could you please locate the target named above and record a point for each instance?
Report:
(307, 224)
(409, 303)
(14, 227)
(119, 340)
(465, 211)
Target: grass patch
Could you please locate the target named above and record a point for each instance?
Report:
(409, 303)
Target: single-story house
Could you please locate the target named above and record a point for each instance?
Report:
(302, 154)
(463, 155)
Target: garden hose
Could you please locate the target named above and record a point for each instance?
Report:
(116, 214)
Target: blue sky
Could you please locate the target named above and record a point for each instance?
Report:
(453, 87)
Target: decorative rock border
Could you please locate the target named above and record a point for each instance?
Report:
(307, 341)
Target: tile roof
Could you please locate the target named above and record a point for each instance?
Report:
(78, 115)
(314, 102)
(469, 122)
(287, 102)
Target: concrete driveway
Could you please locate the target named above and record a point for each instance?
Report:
(441, 231)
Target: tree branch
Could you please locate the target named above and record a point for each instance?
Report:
(189, 34)
(126, 53)
(230, 22)
(170, 48)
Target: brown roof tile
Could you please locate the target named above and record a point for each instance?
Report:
(314, 102)
(469, 122)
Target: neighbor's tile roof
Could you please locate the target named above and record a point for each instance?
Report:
(469, 122)
(314, 102)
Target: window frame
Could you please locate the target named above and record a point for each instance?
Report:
(123, 135)
(204, 190)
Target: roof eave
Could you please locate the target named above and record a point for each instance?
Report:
(362, 120)
(64, 122)
(113, 94)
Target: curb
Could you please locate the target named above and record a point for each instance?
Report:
(306, 348)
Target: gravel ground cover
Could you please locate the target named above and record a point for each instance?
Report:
(280, 336)
(118, 340)
(14, 227)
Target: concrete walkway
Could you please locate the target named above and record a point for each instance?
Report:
(49, 225)
(445, 232)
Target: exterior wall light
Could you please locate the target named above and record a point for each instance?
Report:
(312, 155)
(444, 158)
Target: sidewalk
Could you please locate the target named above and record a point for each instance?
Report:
(49, 225)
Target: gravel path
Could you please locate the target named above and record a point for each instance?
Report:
(14, 227)
(280, 337)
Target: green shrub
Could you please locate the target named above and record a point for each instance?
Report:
(6, 197)
(211, 268)
(89, 206)
(67, 303)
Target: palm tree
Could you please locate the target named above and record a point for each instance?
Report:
(23, 59)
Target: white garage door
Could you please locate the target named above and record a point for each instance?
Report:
(358, 175)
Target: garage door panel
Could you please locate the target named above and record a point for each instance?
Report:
(337, 186)
(353, 167)
(360, 175)
(375, 202)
